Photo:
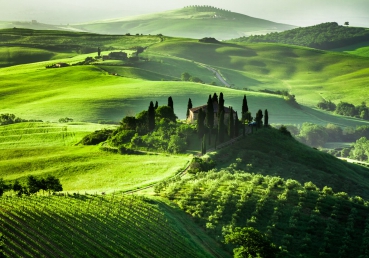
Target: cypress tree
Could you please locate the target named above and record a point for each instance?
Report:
(259, 118)
(221, 127)
(266, 118)
(215, 97)
(156, 105)
(210, 113)
(231, 124)
(236, 126)
(245, 108)
(170, 102)
(151, 116)
(189, 106)
(200, 123)
(221, 103)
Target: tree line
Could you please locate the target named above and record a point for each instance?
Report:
(346, 109)
(32, 185)
(325, 36)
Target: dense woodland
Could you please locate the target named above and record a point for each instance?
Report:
(325, 36)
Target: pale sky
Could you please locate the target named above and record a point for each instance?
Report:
(294, 12)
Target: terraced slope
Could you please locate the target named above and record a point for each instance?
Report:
(190, 22)
(99, 226)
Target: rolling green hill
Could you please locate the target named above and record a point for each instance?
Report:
(309, 74)
(42, 149)
(328, 35)
(190, 22)
(302, 220)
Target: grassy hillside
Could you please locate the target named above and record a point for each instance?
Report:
(191, 22)
(85, 226)
(302, 220)
(360, 49)
(309, 74)
(328, 35)
(42, 149)
(269, 152)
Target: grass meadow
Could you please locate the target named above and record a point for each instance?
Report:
(309, 74)
(42, 149)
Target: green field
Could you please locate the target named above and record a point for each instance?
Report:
(42, 149)
(361, 49)
(310, 74)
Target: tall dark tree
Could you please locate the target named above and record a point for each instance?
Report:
(259, 118)
(210, 116)
(189, 106)
(231, 124)
(53, 184)
(221, 127)
(151, 116)
(98, 52)
(170, 102)
(266, 118)
(215, 97)
(156, 105)
(245, 108)
(221, 103)
(236, 126)
(200, 123)
(33, 184)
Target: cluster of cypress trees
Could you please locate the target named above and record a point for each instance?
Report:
(206, 119)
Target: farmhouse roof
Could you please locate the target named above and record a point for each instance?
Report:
(215, 106)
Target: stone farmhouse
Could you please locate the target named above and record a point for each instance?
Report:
(194, 113)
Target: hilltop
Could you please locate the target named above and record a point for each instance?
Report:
(324, 36)
(189, 22)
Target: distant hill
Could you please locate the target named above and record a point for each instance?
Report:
(191, 22)
(325, 36)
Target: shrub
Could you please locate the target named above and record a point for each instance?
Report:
(310, 186)
(291, 184)
(96, 137)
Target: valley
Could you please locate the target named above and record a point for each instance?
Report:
(157, 185)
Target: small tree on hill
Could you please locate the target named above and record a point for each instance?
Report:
(170, 102)
(245, 108)
(236, 125)
(156, 105)
(53, 184)
(200, 123)
(231, 124)
(185, 77)
(215, 97)
(251, 243)
(151, 116)
(189, 106)
(98, 52)
(210, 116)
(221, 103)
(33, 184)
(221, 127)
(259, 118)
(266, 118)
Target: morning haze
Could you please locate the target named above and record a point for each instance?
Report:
(197, 129)
(295, 12)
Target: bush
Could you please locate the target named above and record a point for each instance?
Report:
(96, 137)
(201, 165)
